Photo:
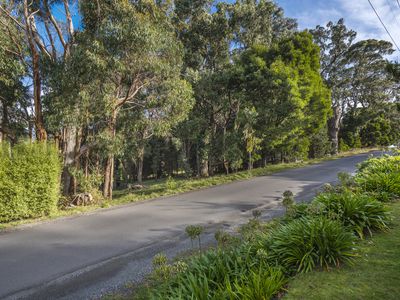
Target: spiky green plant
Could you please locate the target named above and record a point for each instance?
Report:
(361, 213)
(306, 243)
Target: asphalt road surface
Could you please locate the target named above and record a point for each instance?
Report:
(87, 256)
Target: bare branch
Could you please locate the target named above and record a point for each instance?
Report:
(55, 24)
(69, 20)
(53, 48)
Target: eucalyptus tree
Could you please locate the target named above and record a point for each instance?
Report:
(258, 22)
(42, 38)
(206, 36)
(394, 69)
(132, 51)
(335, 41)
(51, 43)
(369, 84)
(12, 92)
(355, 72)
(165, 105)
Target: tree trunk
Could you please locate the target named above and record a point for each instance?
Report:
(41, 133)
(265, 160)
(211, 151)
(86, 164)
(69, 142)
(140, 164)
(77, 162)
(204, 168)
(198, 168)
(4, 124)
(333, 129)
(225, 161)
(108, 177)
(250, 166)
(109, 169)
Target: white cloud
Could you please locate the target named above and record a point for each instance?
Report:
(359, 16)
(310, 19)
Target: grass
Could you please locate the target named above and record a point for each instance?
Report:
(374, 275)
(165, 187)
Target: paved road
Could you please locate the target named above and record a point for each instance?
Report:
(85, 256)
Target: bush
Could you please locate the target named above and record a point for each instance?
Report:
(305, 243)
(223, 274)
(380, 177)
(29, 181)
(262, 283)
(361, 213)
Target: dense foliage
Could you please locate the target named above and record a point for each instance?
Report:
(224, 274)
(380, 177)
(29, 181)
(361, 213)
(131, 90)
(306, 243)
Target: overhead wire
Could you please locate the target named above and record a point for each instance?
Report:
(392, 11)
(384, 26)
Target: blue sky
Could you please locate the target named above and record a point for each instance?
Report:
(358, 15)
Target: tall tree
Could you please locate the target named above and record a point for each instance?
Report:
(48, 38)
(284, 86)
(354, 71)
(28, 16)
(11, 88)
(132, 49)
(335, 41)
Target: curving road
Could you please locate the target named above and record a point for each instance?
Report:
(86, 256)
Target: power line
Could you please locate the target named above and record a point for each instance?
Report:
(384, 26)
(389, 3)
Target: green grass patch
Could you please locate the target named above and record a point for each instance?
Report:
(374, 275)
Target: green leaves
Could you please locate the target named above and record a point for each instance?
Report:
(359, 212)
(29, 181)
(284, 86)
(306, 243)
(380, 177)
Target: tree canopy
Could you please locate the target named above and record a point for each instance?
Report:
(150, 89)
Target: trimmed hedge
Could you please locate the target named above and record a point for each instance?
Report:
(29, 181)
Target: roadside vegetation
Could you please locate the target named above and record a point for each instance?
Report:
(16, 197)
(374, 275)
(29, 181)
(132, 91)
(345, 231)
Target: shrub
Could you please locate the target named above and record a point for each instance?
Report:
(29, 181)
(361, 213)
(221, 274)
(288, 200)
(194, 231)
(224, 239)
(345, 179)
(163, 271)
(309, 242)
(262, 283)
(380, 177)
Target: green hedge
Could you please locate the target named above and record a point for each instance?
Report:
(29, 180)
